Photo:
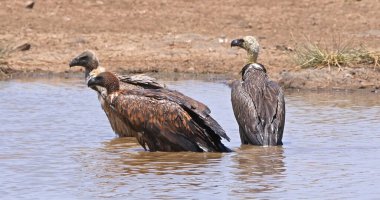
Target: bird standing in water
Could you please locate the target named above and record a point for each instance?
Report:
(90, 62)
(258, 103)
(162, 121)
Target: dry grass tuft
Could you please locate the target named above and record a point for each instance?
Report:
(334, 54)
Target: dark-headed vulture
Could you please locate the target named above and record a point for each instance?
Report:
(258, 103)
(162, 121)
(90, 62)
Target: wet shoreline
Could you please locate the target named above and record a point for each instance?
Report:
(226, 78)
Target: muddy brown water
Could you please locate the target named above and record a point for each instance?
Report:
(56, 143)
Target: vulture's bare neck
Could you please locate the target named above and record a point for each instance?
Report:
(252, 57)
(87, 73)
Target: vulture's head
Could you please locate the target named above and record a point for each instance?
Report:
(106, 80)
(250, 44)
(87, 59)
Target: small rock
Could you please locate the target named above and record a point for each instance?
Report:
(80, 40)
(23, 47)
(348, 75)
(284, 48)
(66, 18)
(365, 84)
(29, 4)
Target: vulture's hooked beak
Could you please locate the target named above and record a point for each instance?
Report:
(92, 82)
(237, 43)
(75, 62)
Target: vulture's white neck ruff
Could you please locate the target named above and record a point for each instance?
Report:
(255, 66)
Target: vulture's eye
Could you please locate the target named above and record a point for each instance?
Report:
(99, 78)
(83, 58)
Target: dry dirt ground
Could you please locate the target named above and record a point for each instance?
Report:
(188, 36)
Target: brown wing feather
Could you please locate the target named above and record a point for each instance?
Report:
(140, 80)
(147, 82)
(117, 125)
(187, 103)
(165, 125)
(190, 103)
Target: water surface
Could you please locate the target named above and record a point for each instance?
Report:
(56, 143)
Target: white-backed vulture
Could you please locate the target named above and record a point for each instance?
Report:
(90, 62)
(258, 103)
(162, 121)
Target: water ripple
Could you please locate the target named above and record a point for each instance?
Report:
(56, 143)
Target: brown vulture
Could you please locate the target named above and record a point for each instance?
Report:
(258, 103)
(90, 62)
(163, 121)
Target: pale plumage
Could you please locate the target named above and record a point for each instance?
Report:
(258, 103)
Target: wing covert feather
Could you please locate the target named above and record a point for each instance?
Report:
(246, 115)
(166, 125)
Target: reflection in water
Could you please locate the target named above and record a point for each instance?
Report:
(137, 161)
(256, 166)
(56, 143)
(118, 145)
(259, 161)
(126, 168)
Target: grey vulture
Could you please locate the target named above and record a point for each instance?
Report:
(258, 103)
